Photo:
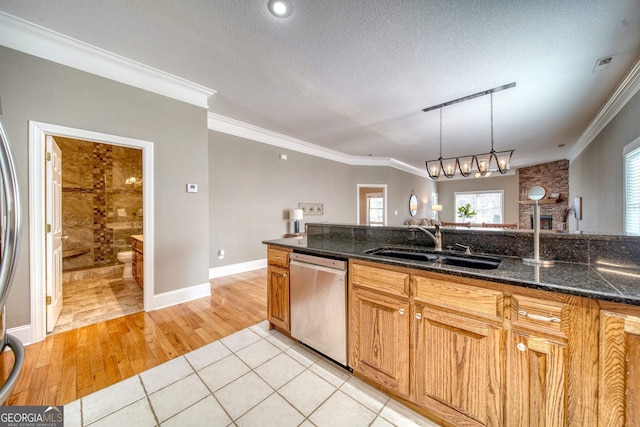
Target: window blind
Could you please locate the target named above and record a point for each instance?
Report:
(632, 192)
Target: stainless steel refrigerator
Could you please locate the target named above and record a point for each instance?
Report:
(10, 238)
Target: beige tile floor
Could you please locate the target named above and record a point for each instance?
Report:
(92, 300)
(255, 377)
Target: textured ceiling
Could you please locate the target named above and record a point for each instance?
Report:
(354, 76)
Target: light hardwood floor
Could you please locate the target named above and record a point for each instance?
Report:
(69, 365)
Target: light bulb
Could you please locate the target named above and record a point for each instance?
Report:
(280, 8)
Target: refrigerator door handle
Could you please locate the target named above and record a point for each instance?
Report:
(11, 232)
(18, 352)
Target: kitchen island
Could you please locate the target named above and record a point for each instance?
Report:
(516, 345)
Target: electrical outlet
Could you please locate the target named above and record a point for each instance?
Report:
(221, 254)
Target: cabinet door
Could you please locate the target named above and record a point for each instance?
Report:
(278, 297)
(379, 338)
(139, 268)
(619, 394)
(134, 266)
(458, 367)
(536, 381)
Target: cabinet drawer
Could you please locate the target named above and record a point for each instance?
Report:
(541, 315)
(379, 279)
(278, 256)
(137, 245)
(468, 300)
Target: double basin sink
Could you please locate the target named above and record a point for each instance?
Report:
(433, 257)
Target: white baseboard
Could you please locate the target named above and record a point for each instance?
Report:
(23, 333)
(242, 267)
(179, 296)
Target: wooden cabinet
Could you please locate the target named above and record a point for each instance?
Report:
(379, 326)
(537, 381)
(619, 362)
(479, 353)
(137, 261)
(278, 312)
(380, 339)
(458, 351)
(537, 362)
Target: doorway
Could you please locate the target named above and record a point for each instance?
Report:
(372, 204)
(37, 208)
(101, 200)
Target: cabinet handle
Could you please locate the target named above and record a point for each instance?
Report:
(538, 317)
(284, 275)
(521, 347)
(418, 316)
(401, 311)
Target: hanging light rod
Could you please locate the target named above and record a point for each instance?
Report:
(468, 97)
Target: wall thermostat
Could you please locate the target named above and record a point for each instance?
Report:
(192, 188)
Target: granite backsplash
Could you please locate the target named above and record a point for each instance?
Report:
(568, 247)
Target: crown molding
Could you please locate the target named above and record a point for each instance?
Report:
(24, 36)
(248, 131)
(623, 93)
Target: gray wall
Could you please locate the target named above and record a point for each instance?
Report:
(448, 188)
(401, 184)
(35, 89)
(252, 190)
(597, 173)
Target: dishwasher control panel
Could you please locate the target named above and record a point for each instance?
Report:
(316, 260)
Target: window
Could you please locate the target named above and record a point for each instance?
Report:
(632, 188)
(487, 204)
(375, 209)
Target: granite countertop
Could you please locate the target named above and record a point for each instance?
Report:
(610, 282)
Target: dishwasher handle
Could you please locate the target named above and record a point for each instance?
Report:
(321, 261)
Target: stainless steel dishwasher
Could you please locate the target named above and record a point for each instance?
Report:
(318, 298)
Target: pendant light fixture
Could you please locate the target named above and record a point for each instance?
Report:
(502, 158)
(480, 164)
(434, 167)
(446, 166)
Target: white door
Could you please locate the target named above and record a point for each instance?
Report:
(54, 235)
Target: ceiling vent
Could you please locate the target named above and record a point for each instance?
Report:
(603, 63)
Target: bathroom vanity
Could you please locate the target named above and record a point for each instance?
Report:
(137, 263)
(513, 345)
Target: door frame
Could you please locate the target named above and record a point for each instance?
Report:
(37, 176)
(383, 188)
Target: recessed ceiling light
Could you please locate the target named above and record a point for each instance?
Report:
(280, 8)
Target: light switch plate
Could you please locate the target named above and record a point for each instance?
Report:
(192, 188)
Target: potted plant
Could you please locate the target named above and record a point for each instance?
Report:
(565, 217)
(465, 212)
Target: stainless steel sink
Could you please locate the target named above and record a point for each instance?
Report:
(432, 257)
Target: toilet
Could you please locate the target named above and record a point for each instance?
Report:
(126, 258)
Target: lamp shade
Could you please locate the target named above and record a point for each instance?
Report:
(449, 166)
(296, 214)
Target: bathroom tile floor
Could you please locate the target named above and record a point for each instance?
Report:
(92, 300)
(255, 377)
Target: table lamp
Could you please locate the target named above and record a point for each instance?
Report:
(296, 216)
(436, 209)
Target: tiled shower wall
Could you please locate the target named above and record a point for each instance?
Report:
(554, 178)
(99, 211)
